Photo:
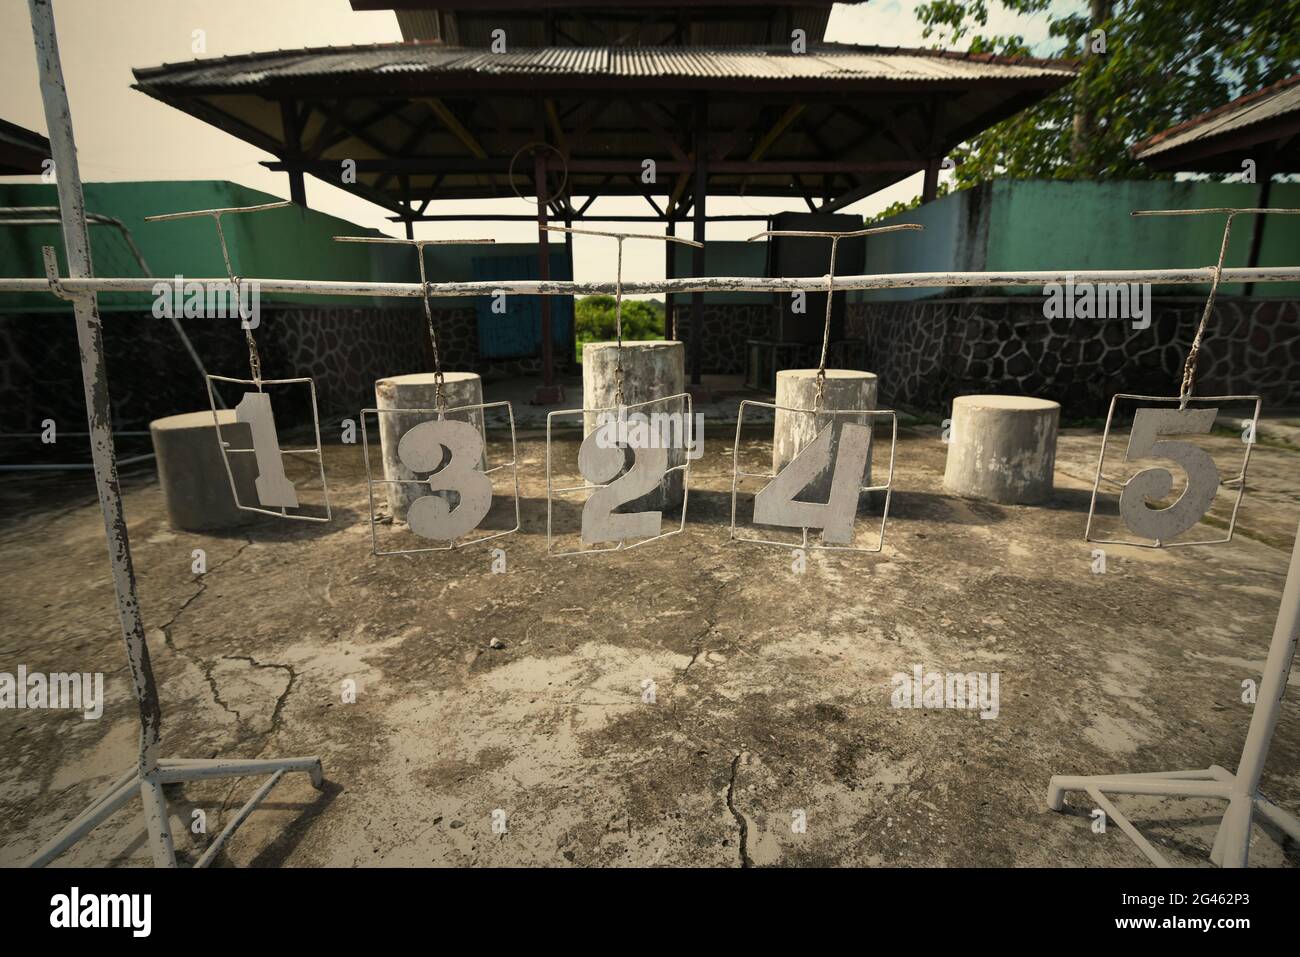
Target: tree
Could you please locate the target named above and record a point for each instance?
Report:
(1153, 64)
(594, 320)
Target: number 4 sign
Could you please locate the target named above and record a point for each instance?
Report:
(1153, 437)
(841, 450)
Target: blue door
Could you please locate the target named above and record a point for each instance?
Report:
(517, 333)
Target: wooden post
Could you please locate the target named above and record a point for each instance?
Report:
(670, 272)
(548, 392)
(572, 340)
(697, 260)
(930, 186)
(1264, 177)
(293, 139)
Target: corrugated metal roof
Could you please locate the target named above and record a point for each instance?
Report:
(1261, 106)
(827, 62)
(589, 25)
(21, 150)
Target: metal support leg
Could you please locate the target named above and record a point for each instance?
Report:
(1240, 790)
(175, 771)
(150, 773)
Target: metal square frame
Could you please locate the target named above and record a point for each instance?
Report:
(1239, 480)
(887, 488)
(439, 414)
(621, 411)
(225, 456)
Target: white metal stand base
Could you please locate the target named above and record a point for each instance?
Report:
(1231, 843)
(1240, 790)
(149, 787)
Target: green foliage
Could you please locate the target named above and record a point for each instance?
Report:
(893, 209)
(1164, 62)
(593, 318)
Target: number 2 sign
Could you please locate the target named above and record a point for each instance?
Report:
(1163, 435)
(621, 472)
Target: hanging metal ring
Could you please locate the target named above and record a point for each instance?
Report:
(527, 146)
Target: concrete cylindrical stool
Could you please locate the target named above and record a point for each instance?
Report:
(419, 391)
(1002, 448)
(651, 370)
(192, 475)
(797, 389)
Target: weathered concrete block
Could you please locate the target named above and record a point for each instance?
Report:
(797, 389)
(1002, 448)
(654, 369)
(192, 475)
(418, 391)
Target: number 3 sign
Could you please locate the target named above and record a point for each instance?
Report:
(455, 495)
(1152, 438)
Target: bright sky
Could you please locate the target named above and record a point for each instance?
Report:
(124, 135)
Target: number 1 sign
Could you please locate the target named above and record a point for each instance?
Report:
(276, 494)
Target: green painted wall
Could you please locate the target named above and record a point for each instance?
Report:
(284, 243)
(725, 258)
(1048, 224)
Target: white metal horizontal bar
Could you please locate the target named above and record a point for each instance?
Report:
(559, 287)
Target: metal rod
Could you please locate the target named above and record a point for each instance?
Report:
(94, 376)
(557, 287)
(72, 466)
(1272, 686)
(544, 269)
(191, 213)
(215, 847)
(603, 218)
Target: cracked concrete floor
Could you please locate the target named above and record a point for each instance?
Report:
(772, 690)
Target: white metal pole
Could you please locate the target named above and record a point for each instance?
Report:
(1201, 275)
(1232, 844)
(1281, 652)
(76, 241)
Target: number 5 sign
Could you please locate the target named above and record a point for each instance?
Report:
(1162, 435)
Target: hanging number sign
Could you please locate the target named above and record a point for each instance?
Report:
(840, 449)
(619, 462)
(775, 504)
(275, 493)
(1165, 434)
(273, 486)
(439, 473)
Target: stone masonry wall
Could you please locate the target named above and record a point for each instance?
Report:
(926, 352)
